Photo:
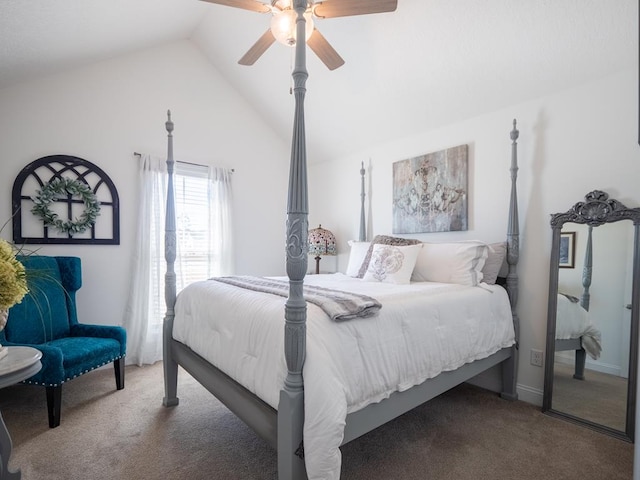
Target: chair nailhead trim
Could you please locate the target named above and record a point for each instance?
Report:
(29, 382)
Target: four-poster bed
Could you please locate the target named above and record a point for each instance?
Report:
(284, 418)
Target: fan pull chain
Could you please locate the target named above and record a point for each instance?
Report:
(292, 57)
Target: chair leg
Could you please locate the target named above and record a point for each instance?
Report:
(54, 403)
(118, 367)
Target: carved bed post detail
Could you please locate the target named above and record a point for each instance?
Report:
(363, 231)
(513, 233)
(510, 367)
(170, 365)
(291, 405)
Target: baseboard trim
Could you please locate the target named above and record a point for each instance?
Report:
(529, 394)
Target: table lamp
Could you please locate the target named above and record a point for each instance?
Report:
(321, 242)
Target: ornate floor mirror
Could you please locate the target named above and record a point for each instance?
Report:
(593, 315)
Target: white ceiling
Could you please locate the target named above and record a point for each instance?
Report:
(430, 63)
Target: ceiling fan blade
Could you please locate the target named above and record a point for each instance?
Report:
(258, 49)
(324, 51)
(253, 5)
(344, 8)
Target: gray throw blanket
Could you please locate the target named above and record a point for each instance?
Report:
(337, 304)
(571, 298)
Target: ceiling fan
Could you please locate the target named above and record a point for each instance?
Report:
(283, 23)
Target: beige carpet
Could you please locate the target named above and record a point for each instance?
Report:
(600, 397)
(467, 433)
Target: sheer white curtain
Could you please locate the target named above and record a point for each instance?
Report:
(221, 229)
(204, 232)
(144, 338)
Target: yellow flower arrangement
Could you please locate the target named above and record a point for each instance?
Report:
(13, 278)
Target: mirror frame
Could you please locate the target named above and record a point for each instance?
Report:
(597, 209)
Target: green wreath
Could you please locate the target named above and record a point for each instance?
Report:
(60, 188)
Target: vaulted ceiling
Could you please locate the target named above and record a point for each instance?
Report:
(428, 64)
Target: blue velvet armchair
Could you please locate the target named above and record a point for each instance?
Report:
(47, 319)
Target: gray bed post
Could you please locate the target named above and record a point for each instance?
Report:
(363, 230)
(291, 405)
(510, 367)
(585, 301)
(587, 271)
(170, 365)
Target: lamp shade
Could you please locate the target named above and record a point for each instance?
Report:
(322, 242)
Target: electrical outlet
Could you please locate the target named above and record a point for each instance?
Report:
(536, 357)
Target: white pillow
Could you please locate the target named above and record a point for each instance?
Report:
(457, 262)
(356, 257)
(391, 264)
(495, 259)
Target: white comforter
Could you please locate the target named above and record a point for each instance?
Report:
(572, 321)
(422, 330)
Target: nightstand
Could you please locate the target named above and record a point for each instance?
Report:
(18, 364)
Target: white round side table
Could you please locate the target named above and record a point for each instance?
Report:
(18, 364)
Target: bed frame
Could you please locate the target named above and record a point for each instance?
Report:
(585, 300)
(283, 428)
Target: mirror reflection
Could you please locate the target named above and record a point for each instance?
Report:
(591, 352)
(591, 361)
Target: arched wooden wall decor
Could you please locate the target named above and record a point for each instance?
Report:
(29, 228)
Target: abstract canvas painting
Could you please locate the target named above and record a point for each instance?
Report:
(430, 192)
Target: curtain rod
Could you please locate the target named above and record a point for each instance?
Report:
(186, 163)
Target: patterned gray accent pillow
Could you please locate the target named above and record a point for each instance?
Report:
(493, 264)
(383, 240)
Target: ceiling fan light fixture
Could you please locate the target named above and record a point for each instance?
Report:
(283, 26)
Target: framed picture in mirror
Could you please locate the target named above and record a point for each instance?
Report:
(567, 250)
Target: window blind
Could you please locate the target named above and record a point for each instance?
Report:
(193, 260)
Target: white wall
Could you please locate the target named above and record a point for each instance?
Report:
(106, 112)
(571, 143)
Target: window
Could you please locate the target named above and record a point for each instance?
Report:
(200, 212)
(196, 258)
